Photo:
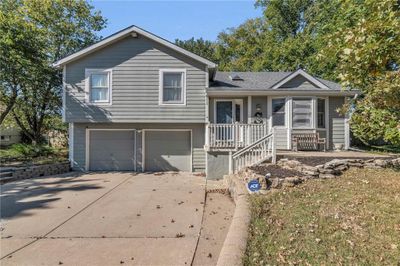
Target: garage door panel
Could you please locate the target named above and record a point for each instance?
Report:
(168, 151)
(111, 150)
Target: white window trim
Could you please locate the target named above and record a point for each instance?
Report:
(90, 71)
(326, 113)
(161, 86)
(272, 112)
(234, 102)
(313, 112)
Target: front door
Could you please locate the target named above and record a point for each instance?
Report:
(228, 112)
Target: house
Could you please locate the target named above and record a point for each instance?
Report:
(137, 102)
(9, 136)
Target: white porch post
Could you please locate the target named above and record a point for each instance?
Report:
(249, 108)
(346, 129)
(230, 163)
(346, 134)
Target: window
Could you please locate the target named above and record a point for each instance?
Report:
(302, 113)
(172, 87)
(321, 113)
(5, 138)
(98, 86)
(278, 112)
(224, 112)
(228, 111)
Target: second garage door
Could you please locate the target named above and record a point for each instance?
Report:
(168, 151)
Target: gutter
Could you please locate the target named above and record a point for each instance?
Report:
(281, 92)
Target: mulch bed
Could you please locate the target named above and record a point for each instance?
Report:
(275, 171)
(314, 161)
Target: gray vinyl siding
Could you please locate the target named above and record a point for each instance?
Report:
(135, 64)
(217, 165)
(281, 138)
(198, 138)
(336, 121)
(299, 83)
(262, 101)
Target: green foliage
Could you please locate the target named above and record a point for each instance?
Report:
(203, 48)
(354, 42)
(368, 52)
(27, 154)
(34, 34)
(28, 150)
(24, 151)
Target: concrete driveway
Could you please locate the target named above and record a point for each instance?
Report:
(102, 219)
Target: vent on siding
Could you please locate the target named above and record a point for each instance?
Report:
(235, 77)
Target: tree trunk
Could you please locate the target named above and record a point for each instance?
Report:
(10, 105)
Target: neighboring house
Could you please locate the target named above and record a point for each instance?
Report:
(9, 136)
(137, 102)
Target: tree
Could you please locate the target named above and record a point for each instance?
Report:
(34, 34)
(368, 49)
(201, 47)
(288, 36)
(19, 53)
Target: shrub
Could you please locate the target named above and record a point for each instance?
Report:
(28, 150)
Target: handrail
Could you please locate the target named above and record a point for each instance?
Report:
(236, 154)
(254, 153)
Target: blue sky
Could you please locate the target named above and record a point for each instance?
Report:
(176, 19)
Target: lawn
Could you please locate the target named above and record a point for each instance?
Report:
(354, 219)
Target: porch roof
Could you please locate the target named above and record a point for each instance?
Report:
(265, 81)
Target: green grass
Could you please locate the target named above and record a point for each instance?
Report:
(24, 154)
(382, 149)
(351, 220)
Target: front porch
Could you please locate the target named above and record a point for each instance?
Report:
(236, 136)
(236, 122)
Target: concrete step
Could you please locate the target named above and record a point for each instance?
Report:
(6, 174)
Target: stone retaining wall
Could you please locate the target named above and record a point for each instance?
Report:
(331, 169)
(37, 171)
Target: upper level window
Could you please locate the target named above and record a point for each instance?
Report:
(172, 86)
(321, 113)
(98, 86)
(278, 112)
(302, 113)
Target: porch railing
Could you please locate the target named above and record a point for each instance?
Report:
(233, 136)
(259, 151)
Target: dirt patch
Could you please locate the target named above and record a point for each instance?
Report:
(275, 171)
(218, 215)
(314, 161)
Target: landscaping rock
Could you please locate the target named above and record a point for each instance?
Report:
(326, 176)
(381, 163)
(276, 182)
(395, 163)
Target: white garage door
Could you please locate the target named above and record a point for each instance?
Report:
(111, 150)
(168, 151)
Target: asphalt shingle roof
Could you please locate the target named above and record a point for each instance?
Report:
(256, 81)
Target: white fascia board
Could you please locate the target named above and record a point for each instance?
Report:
(305, 75)
(282, 93)
(123, 34)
